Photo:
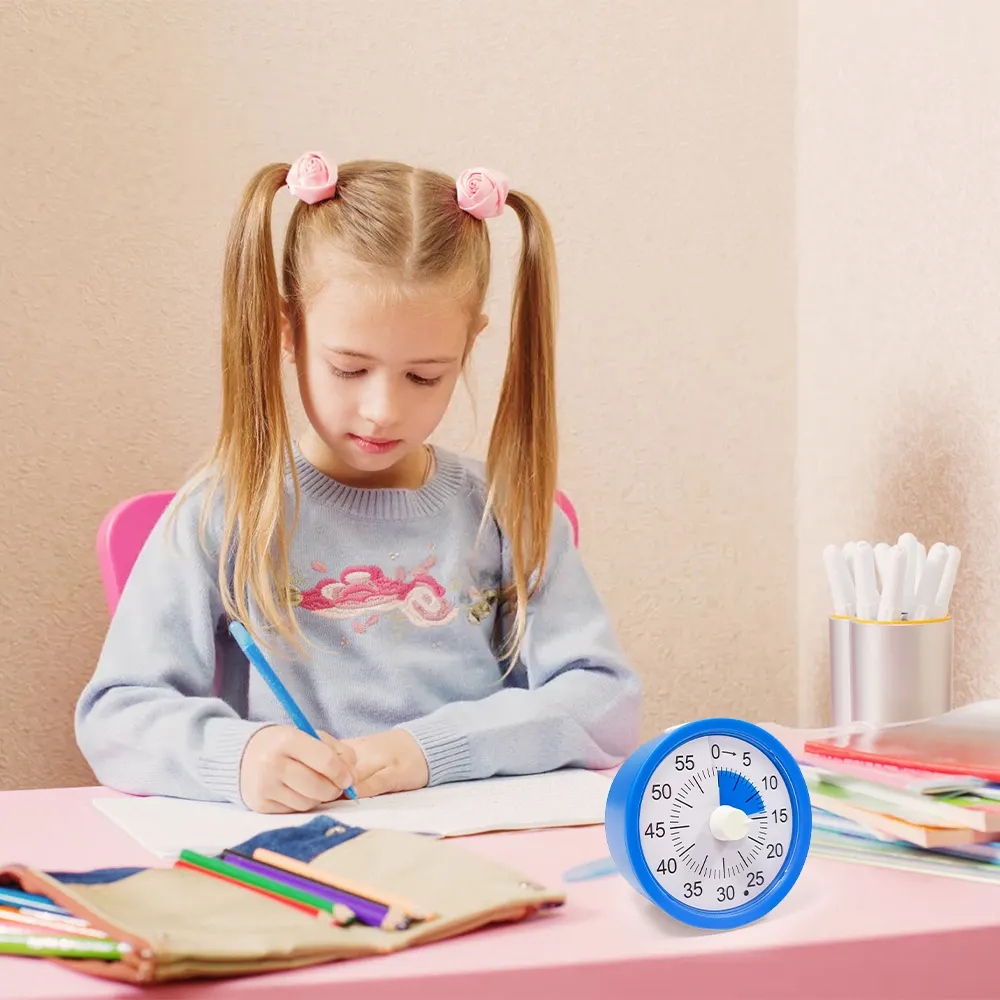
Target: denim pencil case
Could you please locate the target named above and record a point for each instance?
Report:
(184, 923)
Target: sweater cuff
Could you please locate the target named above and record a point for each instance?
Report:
(222, 754)
(447, 751)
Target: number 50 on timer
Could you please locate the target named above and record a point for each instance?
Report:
(711, 822)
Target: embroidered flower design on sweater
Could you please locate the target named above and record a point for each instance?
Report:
(363, 593)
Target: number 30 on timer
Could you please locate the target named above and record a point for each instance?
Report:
(711, 822)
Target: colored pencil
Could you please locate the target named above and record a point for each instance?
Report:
(305, 901)
(60, 945)
(59, 918)
(310, 910)
(343, 883)
(253, 653)
(46, 923)
(18, 897)
(368, 912)
(30, 927)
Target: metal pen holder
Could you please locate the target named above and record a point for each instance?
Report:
(887, 672)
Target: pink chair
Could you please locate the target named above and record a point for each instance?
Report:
(570, 511)
(121, 536)
(125, 528)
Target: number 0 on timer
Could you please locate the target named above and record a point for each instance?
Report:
(711, 822)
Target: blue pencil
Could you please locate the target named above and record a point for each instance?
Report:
(19, 898)
(256, 657)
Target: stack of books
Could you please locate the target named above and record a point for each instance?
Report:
(921, 796)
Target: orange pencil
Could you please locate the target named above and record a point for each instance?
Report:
(343, 883)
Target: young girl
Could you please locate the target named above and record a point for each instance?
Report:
(430, 615)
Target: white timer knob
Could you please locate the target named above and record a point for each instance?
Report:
(727, 823)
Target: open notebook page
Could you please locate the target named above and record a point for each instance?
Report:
(569, 797)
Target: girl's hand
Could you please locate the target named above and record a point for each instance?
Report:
(286, 770)
(391, 761)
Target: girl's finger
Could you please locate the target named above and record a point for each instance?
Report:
(270, 806)
(310, 785)
(342, 749)
(322, 758)
(293, 800)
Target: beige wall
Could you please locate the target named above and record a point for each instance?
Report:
(898, 125)
(657, 135)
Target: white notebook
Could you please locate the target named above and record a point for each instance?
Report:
(569, 797)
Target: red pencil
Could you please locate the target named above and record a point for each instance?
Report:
(312, 911)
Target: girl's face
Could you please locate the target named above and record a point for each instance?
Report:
(376, 375)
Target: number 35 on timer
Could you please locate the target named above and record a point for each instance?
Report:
(711, 822)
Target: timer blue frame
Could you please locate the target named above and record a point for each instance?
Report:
(621, 822)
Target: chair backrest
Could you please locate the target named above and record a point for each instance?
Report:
(125, 528)
(570, 511)
(121, 536)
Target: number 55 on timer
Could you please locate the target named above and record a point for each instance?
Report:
(711, 822)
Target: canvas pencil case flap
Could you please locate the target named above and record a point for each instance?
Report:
(182, 924)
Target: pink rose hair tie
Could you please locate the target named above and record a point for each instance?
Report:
(482, 192)
(312, 179)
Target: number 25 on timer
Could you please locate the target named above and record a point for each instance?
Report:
(710, 821)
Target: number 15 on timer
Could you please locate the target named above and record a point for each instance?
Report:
(711, 822)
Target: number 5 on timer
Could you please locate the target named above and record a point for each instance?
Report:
(711, 822)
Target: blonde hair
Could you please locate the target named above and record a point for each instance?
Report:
(403, 225)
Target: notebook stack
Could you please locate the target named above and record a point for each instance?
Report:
(922, 796)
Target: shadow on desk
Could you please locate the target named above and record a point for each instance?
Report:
(802, 898)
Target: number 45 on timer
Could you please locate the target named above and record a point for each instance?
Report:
(711, 822)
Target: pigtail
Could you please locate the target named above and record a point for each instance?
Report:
(254, 447)
(522, 458)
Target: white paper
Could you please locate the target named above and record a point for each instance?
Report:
(569, 797)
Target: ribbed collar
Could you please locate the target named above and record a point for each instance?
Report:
(383, 504)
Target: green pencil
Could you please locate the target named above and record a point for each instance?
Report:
(342, 914)
(60, 945)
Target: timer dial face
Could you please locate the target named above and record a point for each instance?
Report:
(715, 822)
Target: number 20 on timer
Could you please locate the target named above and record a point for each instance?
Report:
(711, 822)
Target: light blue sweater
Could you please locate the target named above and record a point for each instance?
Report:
(396, 600)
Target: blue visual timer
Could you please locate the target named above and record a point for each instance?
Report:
(711, 822)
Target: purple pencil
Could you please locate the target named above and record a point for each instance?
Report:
(373, 914)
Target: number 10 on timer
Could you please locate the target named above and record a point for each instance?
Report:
(711, 822)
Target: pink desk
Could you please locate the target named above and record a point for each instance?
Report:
(920, 936)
